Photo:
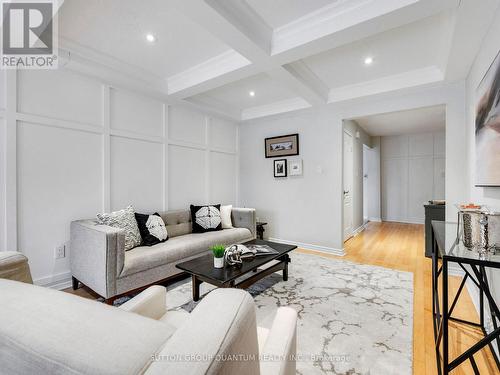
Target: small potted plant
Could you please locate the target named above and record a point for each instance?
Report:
(218, 251)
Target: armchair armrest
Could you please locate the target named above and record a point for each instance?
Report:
(245, 218)
(230, 315)
(280, 348)
(14, 266)
(150, 303)
(97, 254)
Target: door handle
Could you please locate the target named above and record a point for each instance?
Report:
(346, 192)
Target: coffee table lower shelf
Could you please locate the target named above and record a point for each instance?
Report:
(257, 275)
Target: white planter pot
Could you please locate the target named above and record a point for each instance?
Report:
(219, 262)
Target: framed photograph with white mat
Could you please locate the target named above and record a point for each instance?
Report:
(295, 167)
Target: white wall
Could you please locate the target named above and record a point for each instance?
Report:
(299, 209)
(84, 147)
(489, 195)
(308, 210)
(412, 173)
(353, 128)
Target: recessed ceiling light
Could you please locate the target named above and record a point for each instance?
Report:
(368, 60)
(150, 38)
(251, 93)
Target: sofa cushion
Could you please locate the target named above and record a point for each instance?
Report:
(178, 248)
(178, 222)
(44, 331)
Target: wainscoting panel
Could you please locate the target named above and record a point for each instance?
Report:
(419, 189)
(3, 243)
(440, 145)
(2, 90)
(135, 113)
(394, 147)
(395, 189)
(186, 125)
(59, 94)
(222, 177)
(412, 173)
(136, 174)
(186, 180)
(421, 144)
(223, 135)
(84, 147)
(439, 177)
(59, 180)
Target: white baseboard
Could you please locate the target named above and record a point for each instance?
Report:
(375, 219)
(358, 230)
(58, 281)
(325, 249)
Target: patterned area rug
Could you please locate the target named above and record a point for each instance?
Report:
(353, 318)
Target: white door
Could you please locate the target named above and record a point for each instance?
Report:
(348, 172)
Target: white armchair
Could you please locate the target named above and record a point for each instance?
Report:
(276, 347)
(48, 331)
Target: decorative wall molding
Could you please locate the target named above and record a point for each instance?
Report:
(10, 160)
(107, 135)
(308, 246)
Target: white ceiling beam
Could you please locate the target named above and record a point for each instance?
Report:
(331, 32)
(218, 66)
(395, 82)
(96, 65)
(282, 106)
(299, 85)
(242, 29)
(331, 19)
(243, 17)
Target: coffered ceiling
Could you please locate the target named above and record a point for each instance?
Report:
(291, 54)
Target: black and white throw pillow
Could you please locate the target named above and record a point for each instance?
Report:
(206, 218)
(152, 228)
(125, 220)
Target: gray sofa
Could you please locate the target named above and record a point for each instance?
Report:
(99, 261)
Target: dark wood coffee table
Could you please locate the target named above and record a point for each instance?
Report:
(202, 269)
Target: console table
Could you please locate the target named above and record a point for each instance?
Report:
(475, 268)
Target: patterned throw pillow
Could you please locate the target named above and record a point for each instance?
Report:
(123, 219)
(206, 218)
(152, 228)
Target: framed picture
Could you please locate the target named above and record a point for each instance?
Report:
(296, 167)
(284, 145)
(280, 168)
(488, 127)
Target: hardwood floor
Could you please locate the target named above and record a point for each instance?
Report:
(401, 246)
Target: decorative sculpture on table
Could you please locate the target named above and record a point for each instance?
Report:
(236, 254)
